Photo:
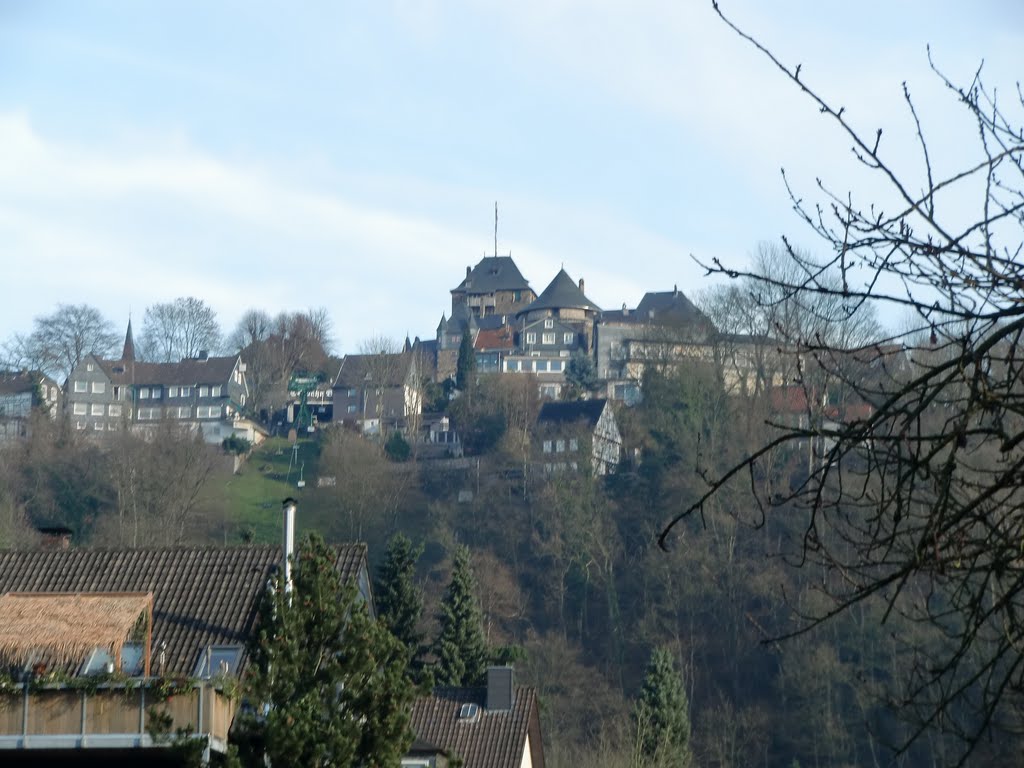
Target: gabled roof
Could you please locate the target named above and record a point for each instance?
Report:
(490, 340)
(490, 739)
(201, 596)
(588, 411)
(562, 293)
(493, 273)
(13, 383)
(355, 369)
(190, 372)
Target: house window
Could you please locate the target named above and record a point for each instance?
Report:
(548, 338)
(186, 391)
(351, 392)
(79, 425)
(100, 662)
(215, 391)
(208, 412)
(204, 391)
(172, 392)
(117, 392)
(352, 409)
(81, 409)
(99, 387)
(574, 444)
(511, 365)
(549, 323)
(98, 426)
(97, 409)
(217, 660)
(541, 366)
(157, 392)
(560, 446)
(144, 393)
(81, 386)
(531, 338)
(90, 367)
(547, 446)
(114, 410)
(557, 365)
(182, 412)
(149, 414)
(567, 338)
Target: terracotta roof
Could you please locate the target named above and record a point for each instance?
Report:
(562, 293)
(201, 596)
(493, 273)
(492, 339)
(191, 372)
(491, 739)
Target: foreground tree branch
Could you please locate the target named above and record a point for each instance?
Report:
(916, 496)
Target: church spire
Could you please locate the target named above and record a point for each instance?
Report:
(128, 354)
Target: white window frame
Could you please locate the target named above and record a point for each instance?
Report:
(172, 392)
(186, 391)
(81, 386)
(216, 391)
(548, 338)
(80, 409)
(143, 393)
(204, 391)
(568, 337)
(97, 409)
(547, 446)
(157, 393)
(114, 410)
(531, 337)
(99, 387)
(549, 323)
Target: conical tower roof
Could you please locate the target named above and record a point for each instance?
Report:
(562, 293)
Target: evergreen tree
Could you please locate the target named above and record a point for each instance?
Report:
(331, 680)
(462, 653)
(662, 714)
(580, 375)
(465, 366)
(399, 601)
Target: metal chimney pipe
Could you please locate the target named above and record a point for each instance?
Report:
(288, 507)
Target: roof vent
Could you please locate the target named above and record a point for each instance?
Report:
(469, 713)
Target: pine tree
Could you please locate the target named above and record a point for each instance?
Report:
(662, 715)
(465, 365)
(399, 601)
(331, 680)
(462, 653)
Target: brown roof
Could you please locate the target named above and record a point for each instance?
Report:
(354, 369)
(494, 338)
(191, 372)
(201, 596)
(67, 626)
(493, 739)
(13, 383)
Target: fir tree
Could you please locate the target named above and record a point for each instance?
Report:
(327, 680)
(662, 715)
(465, 365)
(462, 653)
(399, 601)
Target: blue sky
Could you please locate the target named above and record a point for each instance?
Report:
(349, 154)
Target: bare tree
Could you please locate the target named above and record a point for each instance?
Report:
(60, 340)
(179, 329)
(919, 502)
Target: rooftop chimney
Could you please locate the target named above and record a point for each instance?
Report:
(581, 285)
(288, 507)
(501, 692)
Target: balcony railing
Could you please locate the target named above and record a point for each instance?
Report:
(112, 716)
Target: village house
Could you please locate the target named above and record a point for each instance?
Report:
(580, 435)
(203, 393)
(379, 392)
(23, 393)
(497, 726)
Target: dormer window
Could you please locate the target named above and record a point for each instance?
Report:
(102, 662)
(549, 323)
(216, 660)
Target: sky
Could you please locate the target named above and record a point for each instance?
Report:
(349, 155)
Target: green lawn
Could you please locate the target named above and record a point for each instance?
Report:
(271, 474)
